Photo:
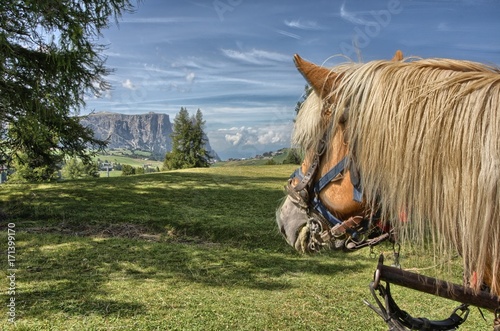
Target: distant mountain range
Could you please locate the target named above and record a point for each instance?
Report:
(148, 132)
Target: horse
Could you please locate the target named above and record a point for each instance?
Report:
(409, 144)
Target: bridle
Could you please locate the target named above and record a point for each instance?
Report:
(323, 227)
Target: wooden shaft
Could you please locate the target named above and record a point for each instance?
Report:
(437, 287)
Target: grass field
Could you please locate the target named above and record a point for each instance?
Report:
(123, 156)
(185, 250)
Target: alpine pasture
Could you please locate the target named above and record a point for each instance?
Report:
(194, 249)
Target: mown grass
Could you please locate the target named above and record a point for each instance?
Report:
(124, 156)
(185, 250)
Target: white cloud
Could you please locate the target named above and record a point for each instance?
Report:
(353, 17)
(289, 34)
(234, 139)
(190, 77)
(256, 56)
(303, 25)
(162, 20)
(191, 62)
(268, 135)
(127, 83)
(271, 137)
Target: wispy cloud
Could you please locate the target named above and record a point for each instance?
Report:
(353, 17)
(162, 20)
(187, 63)
(303, 25)
(255, 56)
(289, 34)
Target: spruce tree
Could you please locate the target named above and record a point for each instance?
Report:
(201, 155)
(188, 142)
(49, 62)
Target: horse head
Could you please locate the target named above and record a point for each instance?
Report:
(324, 204)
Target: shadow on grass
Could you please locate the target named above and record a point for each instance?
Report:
(211, 229)
(211, 207)
(73, 275)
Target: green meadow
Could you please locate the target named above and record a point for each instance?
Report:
(194, 249)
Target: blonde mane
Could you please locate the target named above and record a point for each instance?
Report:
(425, 136)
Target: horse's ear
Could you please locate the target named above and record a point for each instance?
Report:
(398, 56)
(320, 78)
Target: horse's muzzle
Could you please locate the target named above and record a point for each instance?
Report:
(291, 219)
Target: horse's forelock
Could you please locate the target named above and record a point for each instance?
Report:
(308, 127)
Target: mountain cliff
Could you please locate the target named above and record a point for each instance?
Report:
(148, 132)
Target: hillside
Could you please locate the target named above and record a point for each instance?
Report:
(147, 132)
(269, 158)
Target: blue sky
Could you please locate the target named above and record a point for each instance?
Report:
(233, 58)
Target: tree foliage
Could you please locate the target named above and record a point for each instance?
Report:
(74, 168)
(293, 157)
(128, 170)
(50, 61)
(188, 142)
(29, 169)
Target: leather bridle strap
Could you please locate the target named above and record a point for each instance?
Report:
(313, 168)
(327, 178)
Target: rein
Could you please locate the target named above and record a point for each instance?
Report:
(323, 227)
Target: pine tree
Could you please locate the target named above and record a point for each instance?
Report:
(201, 156)
(176, 159)
(188, 142)
(49, 62)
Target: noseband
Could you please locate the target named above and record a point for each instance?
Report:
(323, 228)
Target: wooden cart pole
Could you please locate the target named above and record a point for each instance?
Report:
(435, 286)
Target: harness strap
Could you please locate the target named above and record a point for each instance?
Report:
(346, 226)
(337, 170)
(356, 182)
(330, 175)
(307, 177)
(321, 208)
(357, 194)
(317, 204)
(399, 319)
(326, 179)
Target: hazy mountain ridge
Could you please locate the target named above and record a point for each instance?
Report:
(149, 132)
